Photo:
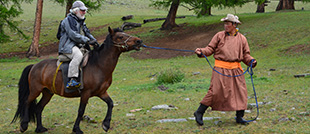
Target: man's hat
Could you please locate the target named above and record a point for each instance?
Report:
(79, 4)
(231, 18)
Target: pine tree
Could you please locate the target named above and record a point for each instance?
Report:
(10, 9)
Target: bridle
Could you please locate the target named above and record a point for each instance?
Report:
(119, 44)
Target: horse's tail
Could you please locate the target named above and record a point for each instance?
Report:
(23, 94)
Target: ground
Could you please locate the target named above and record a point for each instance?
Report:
(183, 37)
(187, 38)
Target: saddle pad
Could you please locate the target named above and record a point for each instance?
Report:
(64, 69)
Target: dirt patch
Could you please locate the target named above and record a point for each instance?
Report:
(297, 49)
(187, 38)
(183, 37)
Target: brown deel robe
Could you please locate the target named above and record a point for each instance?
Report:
(227, 93)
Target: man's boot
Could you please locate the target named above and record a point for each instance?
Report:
(239, 118)
(73, 84)
(199, 114)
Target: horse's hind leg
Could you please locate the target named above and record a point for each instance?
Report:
(29, 113)
(46, 97)
(107, 119)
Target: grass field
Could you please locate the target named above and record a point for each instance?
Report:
(277, 40)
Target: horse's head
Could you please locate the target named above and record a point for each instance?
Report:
(124, 41)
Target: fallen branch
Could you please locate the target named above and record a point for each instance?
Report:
(129, 25)
(301, 75)
(158, 19)
(128, 17)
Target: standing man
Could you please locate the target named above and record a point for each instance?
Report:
(71, 39)
(229, 48)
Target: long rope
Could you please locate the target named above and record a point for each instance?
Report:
(249, 70)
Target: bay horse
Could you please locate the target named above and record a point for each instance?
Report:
(97, 78)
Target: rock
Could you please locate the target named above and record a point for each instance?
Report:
(272, 109)
(162, 88)
(165, 106)
(89, 119)
(247, 111)
(284, 119)
(187, 99)
(171, 120)
(253, 105)
(218, 122)
(135, 110)
(205, 118)
(292, 118)
(130, 114)
(196, 73)
(304, 113)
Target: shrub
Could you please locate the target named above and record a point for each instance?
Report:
(170, 76)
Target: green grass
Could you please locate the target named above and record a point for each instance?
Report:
(269, 36)
(110, 15)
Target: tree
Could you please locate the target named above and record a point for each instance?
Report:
(261, 5)
(10, 9)
(170, 20)
(285, 4)
(201, 7)
(91, 4)
(34, 46)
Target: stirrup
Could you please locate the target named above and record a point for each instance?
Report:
(72, 84)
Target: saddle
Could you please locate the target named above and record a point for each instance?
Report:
(63, 66)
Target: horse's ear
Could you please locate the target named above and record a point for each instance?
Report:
(111, 31)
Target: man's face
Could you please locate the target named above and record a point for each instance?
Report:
(229, 26)
(81, 14)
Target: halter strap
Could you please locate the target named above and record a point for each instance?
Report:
(124, 42)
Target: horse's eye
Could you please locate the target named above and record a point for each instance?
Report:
(120, 37)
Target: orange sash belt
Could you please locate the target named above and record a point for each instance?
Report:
(227, 65)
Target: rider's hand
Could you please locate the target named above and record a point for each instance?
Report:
(92, 42)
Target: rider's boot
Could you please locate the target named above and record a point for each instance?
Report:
(73, 83)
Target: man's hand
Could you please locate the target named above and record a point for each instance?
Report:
(254, 63)
(198, 52)
(92, 42)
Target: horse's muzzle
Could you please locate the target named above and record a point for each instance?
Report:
(138, 45)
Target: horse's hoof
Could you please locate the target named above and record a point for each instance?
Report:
(105, 128)
(23, 127)
(41, 130)
(77, 131)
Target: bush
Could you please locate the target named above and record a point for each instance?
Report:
(170, 76)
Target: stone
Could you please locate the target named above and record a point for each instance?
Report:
(272, 109)
(171, 120)
(205, 118)
(164, 106)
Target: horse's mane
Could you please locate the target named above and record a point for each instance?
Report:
(108, 42)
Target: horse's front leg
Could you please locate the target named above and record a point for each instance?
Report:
(107, 119)
(83, 103)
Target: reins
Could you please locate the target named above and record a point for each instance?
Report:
(249, 70)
